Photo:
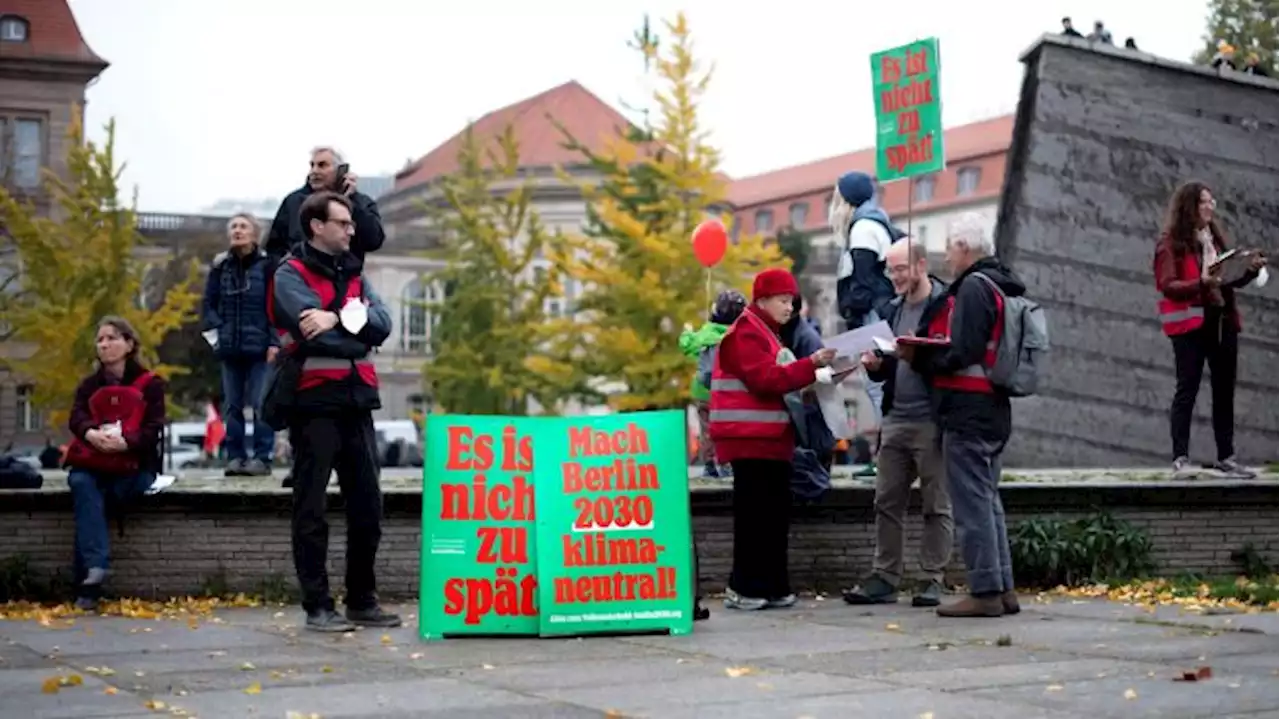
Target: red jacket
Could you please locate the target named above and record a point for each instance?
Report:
(749, 354)
(1182, 293)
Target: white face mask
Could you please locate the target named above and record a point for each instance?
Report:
(354, 315)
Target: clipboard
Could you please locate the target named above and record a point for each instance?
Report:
(1233, 265)
(924, 341)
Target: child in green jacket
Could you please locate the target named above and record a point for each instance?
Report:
(701, 345)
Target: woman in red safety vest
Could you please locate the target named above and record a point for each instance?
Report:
(751, 430)
(1199, 314)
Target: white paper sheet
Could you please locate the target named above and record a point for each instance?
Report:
(854, 342)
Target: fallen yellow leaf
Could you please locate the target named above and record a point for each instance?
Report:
(1130, 694)
(51, 685)
(254, 688)
(247, 667)
(300, 715)
(1053, 688)
(111, 691)
(926, 715)
(735, 672)
(892, 627)
(386, 639)
(764, 685)
(154, 704)
(326, 669)
(486, 666)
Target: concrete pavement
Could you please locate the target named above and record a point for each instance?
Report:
(1089, 659)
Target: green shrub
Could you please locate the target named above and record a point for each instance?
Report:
(1049, 552)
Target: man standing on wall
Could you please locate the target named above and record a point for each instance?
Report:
(334, 321)
(329, 172)
(909, 444)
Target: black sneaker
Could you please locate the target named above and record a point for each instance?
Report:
(327, 620)
(700, 612)
(287, 483)
(930, 595)
(874, 591)
(373, 617)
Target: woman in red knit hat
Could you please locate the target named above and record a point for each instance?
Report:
(752, 431)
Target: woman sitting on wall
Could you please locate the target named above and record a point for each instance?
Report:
(1199, 314)
(116, 424)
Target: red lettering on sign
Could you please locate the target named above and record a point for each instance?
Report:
(502, 545)
(517, 452)
(896, 99)
(918, 62)
(596, 549)
(477, 597)
(617, 587)
(915, 151)
(587, 442)
(890, 69)
(466, 455)
(619, 476)
(478, 501)
(605, 512)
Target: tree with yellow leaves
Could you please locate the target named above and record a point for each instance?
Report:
(78, 263)
(498, 287)
(641, 281)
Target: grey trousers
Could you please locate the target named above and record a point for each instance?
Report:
(973, 476)
(909, 450)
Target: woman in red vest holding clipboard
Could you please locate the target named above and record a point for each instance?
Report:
(752, 432)
(1199, 314)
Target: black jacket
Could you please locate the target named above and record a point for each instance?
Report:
(292, 296)
(888, 372)
(235, 304)
(973, 319)
(286, 229)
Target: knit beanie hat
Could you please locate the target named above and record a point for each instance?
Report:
(856, 187)
(772, 282)
(729, 304)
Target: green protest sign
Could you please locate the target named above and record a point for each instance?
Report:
(614, 543)
(908, 99)
(478, 574)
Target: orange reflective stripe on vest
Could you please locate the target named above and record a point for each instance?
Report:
(319, 370)
(736, 412)
(1178, 317)
(974, 377)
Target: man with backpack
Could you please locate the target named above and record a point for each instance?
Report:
(972, 383)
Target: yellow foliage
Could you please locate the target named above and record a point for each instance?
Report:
(642, 283)
(504, 280)
(77, 266)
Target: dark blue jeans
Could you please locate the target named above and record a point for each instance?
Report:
(89, 501)
(243, 382)
(973, 477)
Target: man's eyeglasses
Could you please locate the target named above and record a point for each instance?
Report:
(344, 224)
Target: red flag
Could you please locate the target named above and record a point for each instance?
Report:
(214, 431)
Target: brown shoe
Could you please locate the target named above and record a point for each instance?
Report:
(973, 607)
(1010, 601)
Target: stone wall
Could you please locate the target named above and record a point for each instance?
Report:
(1102, 137)
(177, 542)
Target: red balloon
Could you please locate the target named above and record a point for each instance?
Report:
(710, 240)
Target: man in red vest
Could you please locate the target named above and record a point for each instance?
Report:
(973, 414)
(752, 432)
(332, 321)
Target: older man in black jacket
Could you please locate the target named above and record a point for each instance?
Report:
(328, 172)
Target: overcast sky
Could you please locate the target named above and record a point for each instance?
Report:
(223, 99)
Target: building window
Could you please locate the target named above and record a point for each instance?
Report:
(29, 419)
(799, 213)
(21, 151)
(924, 188)
(416, 316)
(13, 29)
(920, 234)
(967, 180)
(764, 221)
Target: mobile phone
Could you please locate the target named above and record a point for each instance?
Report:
(340, 176)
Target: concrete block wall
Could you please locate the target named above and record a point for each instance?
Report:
(1102, 138)
(178, 543)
